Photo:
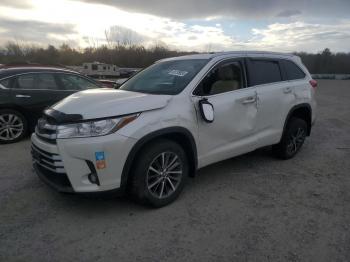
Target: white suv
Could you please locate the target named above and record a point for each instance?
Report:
(174, 117)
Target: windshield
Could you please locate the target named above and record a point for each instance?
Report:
(169, 77)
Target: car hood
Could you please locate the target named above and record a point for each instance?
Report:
(105, 102)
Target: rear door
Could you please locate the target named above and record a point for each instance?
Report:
(5, 92)
(275, 98)
(35, 91)
(297, 80)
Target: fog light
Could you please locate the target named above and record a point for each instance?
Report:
(93, 179)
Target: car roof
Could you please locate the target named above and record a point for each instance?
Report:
(11, 71)
(233, 54)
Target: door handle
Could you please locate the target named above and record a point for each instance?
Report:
(249, 100)
(287, 90)
(23, 96)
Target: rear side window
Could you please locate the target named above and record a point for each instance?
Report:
(26, 81)
(46, 81)
(264, 72)
(41, 81)
(293, 72)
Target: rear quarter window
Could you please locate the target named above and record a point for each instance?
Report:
(6, 83)
(293, 72)
(264, 72)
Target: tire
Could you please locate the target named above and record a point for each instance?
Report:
(292, 140)
(13, 126)
(151, 183)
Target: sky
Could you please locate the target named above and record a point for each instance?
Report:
(188, 25)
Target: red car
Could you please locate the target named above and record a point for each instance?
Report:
(108, 83)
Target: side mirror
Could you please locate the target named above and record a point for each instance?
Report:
(207, 110)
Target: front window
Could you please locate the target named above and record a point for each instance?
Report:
(226, 77)
(169, 77)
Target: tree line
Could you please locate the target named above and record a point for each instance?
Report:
(326, 62)
(138, 56)
(64, 55)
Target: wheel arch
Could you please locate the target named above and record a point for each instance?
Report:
(13, 107)
(180, 135)
(302, 111)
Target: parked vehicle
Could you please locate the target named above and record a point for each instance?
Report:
(26, 91)
(108, 83)
(112, 83)
(120, 81)
(174, 117)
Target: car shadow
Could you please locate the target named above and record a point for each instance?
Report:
(110, 202)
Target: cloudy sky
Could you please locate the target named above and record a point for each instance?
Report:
(200, 25)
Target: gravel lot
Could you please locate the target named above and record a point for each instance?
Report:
(250, 208)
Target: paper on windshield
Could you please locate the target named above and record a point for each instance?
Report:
(175, 72)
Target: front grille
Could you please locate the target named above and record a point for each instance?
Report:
(46, 130)
(49, 161)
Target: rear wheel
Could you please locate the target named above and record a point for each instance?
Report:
(13, 126)
(292, 139)
(160, 173)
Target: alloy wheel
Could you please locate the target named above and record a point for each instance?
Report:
(296, 140)
(11, 127)
(164, 175)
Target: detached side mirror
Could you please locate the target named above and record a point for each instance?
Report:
(207, 110)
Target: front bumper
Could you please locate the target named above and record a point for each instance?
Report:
(66, 166)
(59, 182)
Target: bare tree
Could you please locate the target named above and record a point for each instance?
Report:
(208, 48)
(122, 36)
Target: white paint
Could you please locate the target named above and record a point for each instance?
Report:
(245, 119)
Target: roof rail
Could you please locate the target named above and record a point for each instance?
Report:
(251, 52)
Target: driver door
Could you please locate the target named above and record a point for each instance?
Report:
(235, 110)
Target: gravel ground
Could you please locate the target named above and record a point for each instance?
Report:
(249, 208)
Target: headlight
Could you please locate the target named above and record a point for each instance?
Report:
(94, 128)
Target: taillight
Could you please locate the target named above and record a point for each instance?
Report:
(313, 83)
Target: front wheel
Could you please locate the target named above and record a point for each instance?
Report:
(292, 139)
(160, 173)
(13, 126)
